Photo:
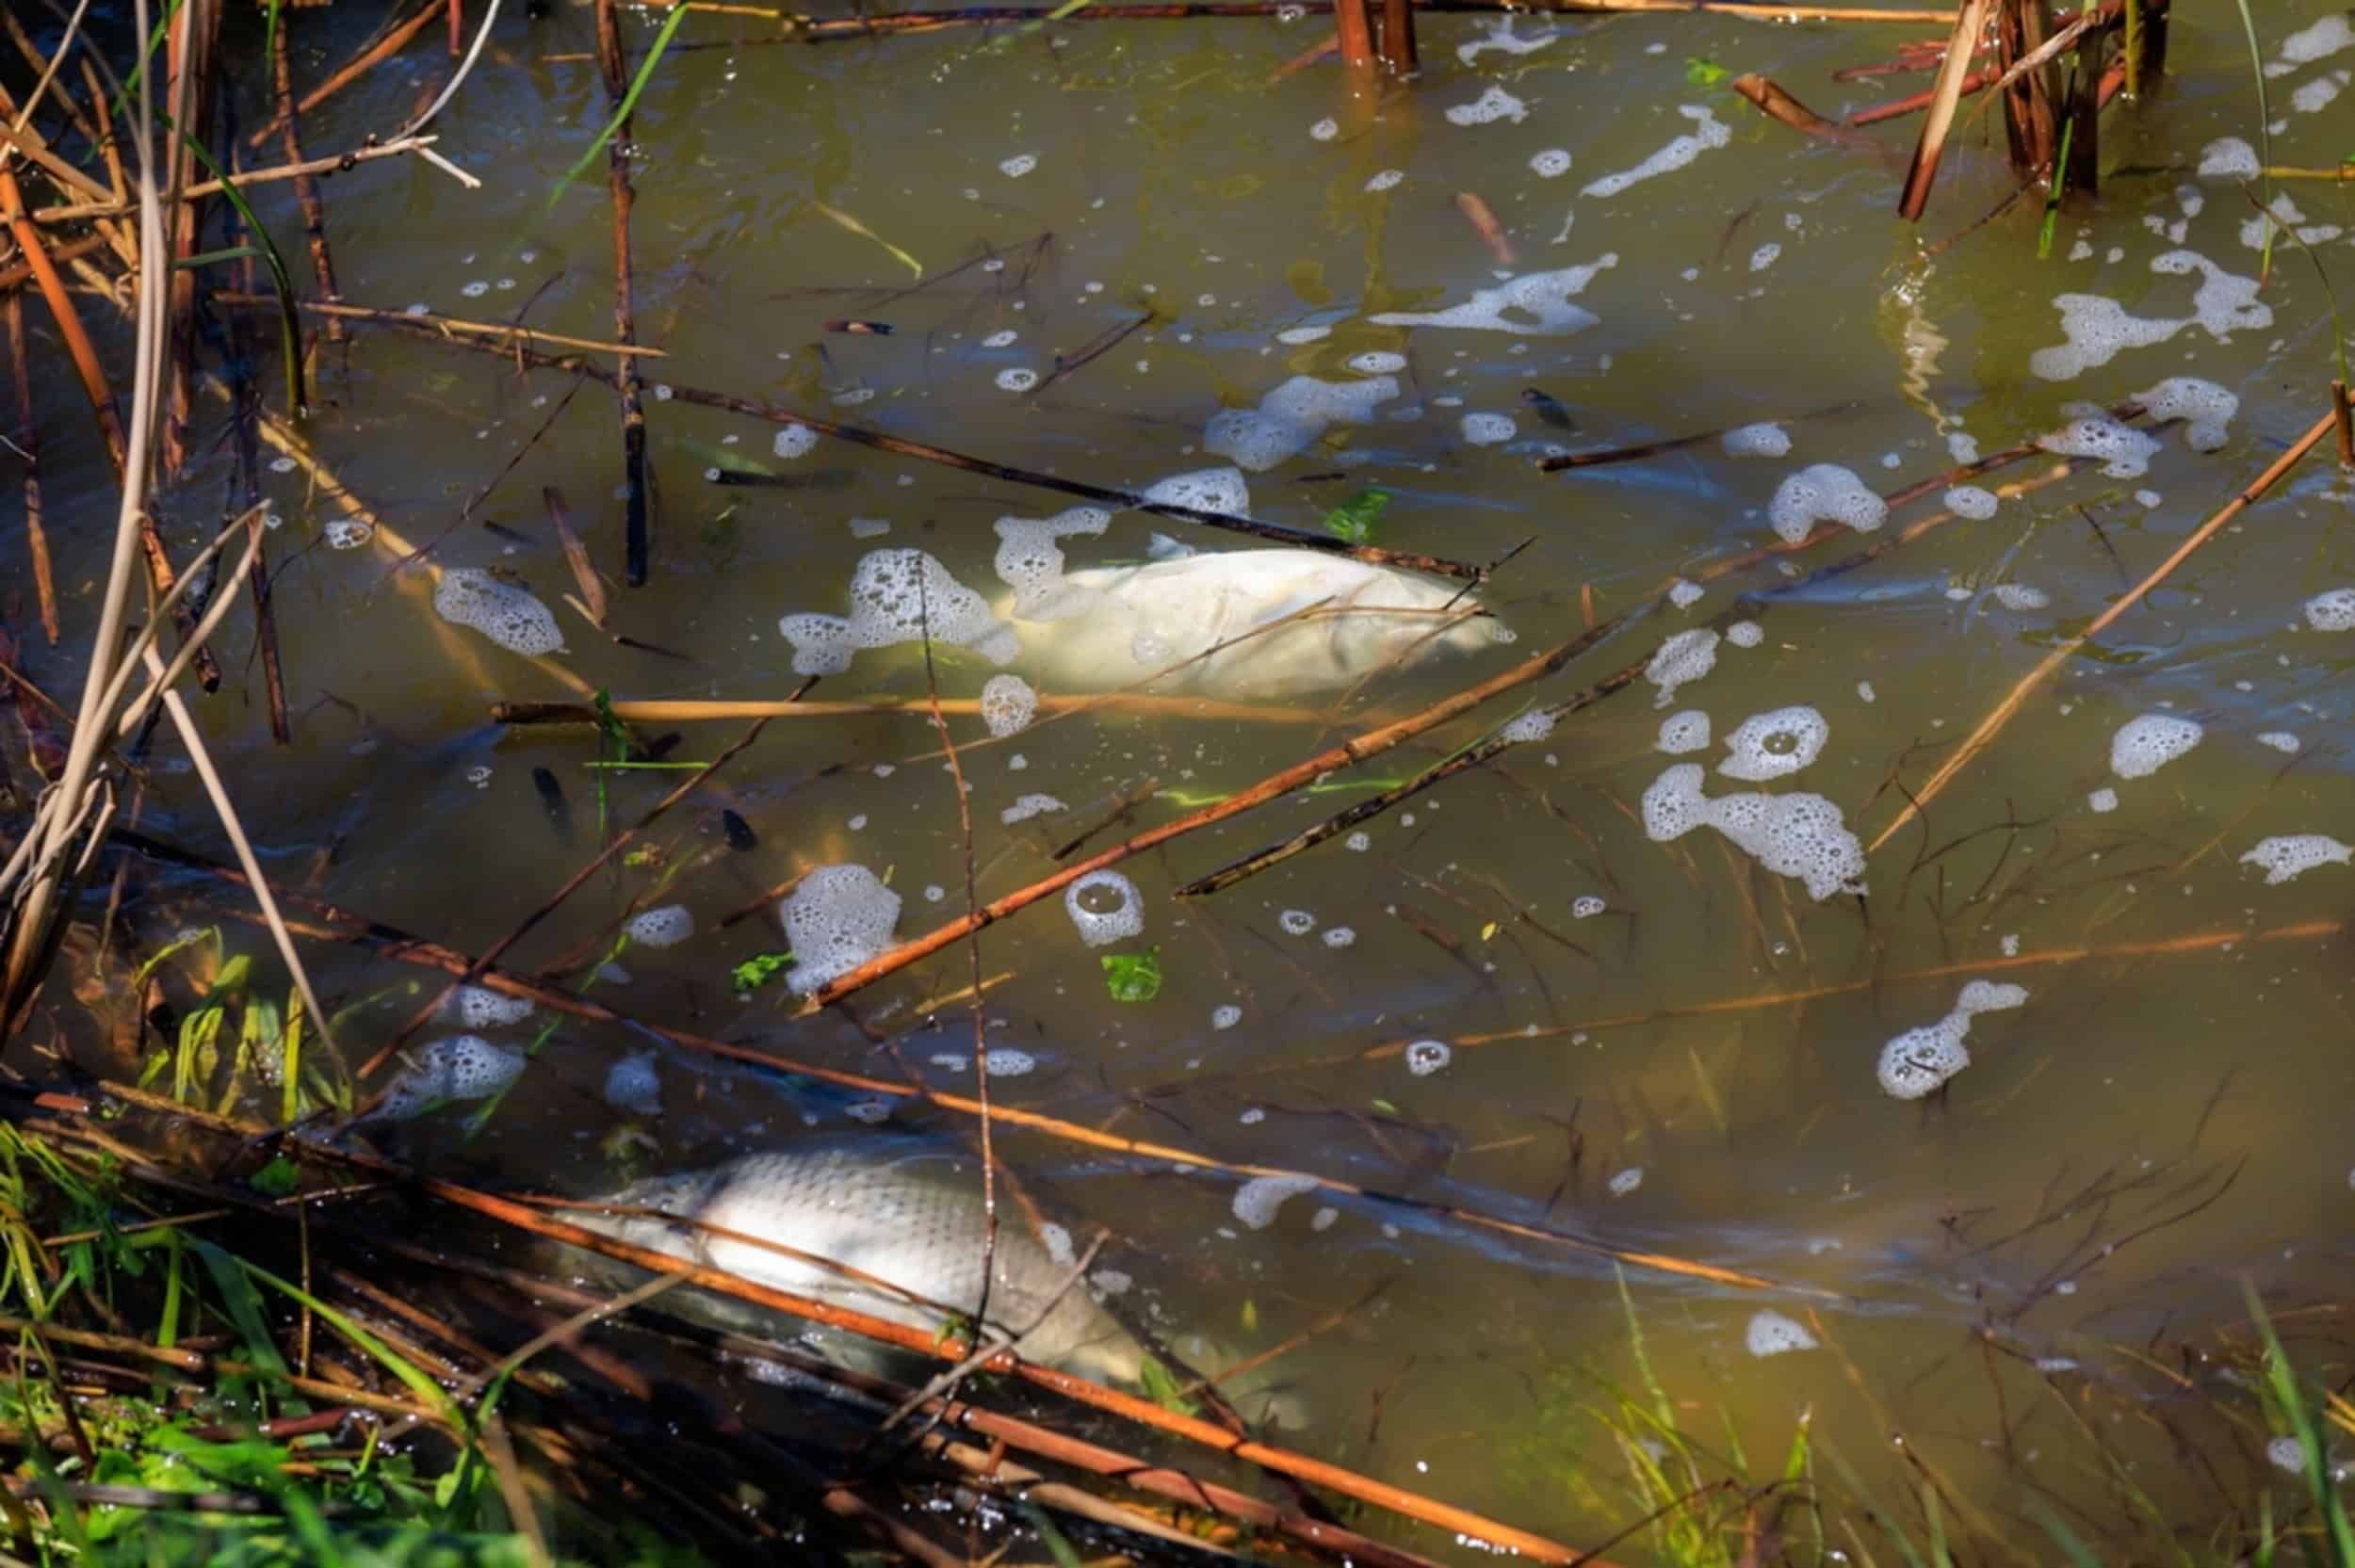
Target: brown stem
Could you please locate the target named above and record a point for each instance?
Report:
(1399, 54)
(616, 68)
(1953, 73)
(2340, 415)
(28, 442)
(374, 54)
(307, 186)
(333, 164)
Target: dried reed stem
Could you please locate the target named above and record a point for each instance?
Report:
(1952, 73)
(615, 66)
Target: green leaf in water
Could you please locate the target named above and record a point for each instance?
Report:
(1704, 74)
(276, 1179)
(1161, 1387)
(1133, 976)
(1355, 518)
(758, 971)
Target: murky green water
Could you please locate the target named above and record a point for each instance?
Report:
(2011, 1274)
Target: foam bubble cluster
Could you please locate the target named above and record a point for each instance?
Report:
(480, 1008)
(1029, 806)
(1550, 164)
(2285, 856)
(1624, 1182)
(2205, 407)
(1029, 560)
(2280, 740)
(1793, 836)
(1684, 657)
(1745, 634)
(1922, 1059)
(1770, 745)
(1426, 1057)
(2123, 452)
(506, 614)
(794, 441)
(1771, 1334)
(1490, 107)
(1293, 415)
(2102, 801)
(1971, 501)
(2227, 158)
(666, 927)
(1008, 705)
(1007, 1062)
(1222, 490)
(461, 1067)
(630, 1085)
(1542, 298)
(1296, 922)
(1257, 1199)
(2333, 612)
(895, 596)
(1684, 732)
(2096, 328)
(1105, 907)
(1226, 1016)
(2144, 745)
(1535, 724)
(1823, 492)
(1708, 131)
(835, 920)
(1767, 440)
(1586, 906)
(1487, 430)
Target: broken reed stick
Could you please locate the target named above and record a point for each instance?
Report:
(430, 326)
(615, 66)
(1969, 23)
(813, 29)
(333, 164)
(27, 444)
(1777, 105)
(505, 332)
(403, 947)
(306, 186)
(383, 49)
(1353, 22)
(1399, 54)
(2341, 415)
(1672, 444)
(2001, 714)
(697, 711)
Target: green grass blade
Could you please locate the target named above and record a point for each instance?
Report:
(2265, 130)
(2288, 1401)
(289, 327)
(427, 1392)
(629, 98)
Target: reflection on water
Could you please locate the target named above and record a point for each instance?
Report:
(1138, 260)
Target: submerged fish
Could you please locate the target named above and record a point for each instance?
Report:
(1112, 625)
(901, 1210)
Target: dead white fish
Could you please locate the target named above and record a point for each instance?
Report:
(901, 1210)
(1115, 624)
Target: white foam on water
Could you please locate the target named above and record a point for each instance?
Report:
(1708, 131)
(1544, 297)
(2312, 97)
(1923, 1060)
(838, 917)
(1323, 1218)
(2096, 328)
(666, 927)
(2229, 158)
(2145, 744)
(2286, 1453)
(1865, 693)
(480, 1008)
(1291, 417)
(1325, 130)
(1772, 745)
(1763, 440)
(1823, 492)
(1771, 1334)
(1683, 658)
(794, 441)
(2103, 801)
(1799, 835)
(1359, 842)
(2288, 855)
(1552, 164)
(1745, 634)
(348, 533)
(1376, 361)
(1105, 907)
(1765, 257)
(1386, 179)
(1684, 732)
(1008, 705)
(1487, 430)
(1226, 1016)
(506, 614)
(2123, 452)
(1624, 1182)
(1533, 725)
(1257, 1199)
(1003, 338)
(1018, 378)
(1490, 107)
(1971, 501)
(1029, 560)
(1296, 922)
(1007, 1062)
(1586, 906)
(1019, 165)
(1057, 1240)
(1685, 594)
(2206, 408)
(2280, 740)
(2331, 611)
(631, 1085)
(2021, 597)
(1499, 34)
(896, 595)
(1426, 1057)
(2320, 41)
(460, 1067)
(1028, 806)
(1340, 936)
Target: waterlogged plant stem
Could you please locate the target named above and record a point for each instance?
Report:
(629, 102)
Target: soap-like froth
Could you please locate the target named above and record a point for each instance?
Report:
(666, 927)
(1708, 131)
(1029, 560)
(461, 1067)
(2289, 855)
(1490, 107)
(795, 441)
(2332, 610)
(1770, 745)
(631, 1085)
(1823, 492)
(1257, 1199)
(1008, 705)
(897, 596)
(1770, 1333)
(2021, 596)
(1028, 806)
(506, 614)
(1923, 1060)
(2123, 452)
(1765, 440)
(1797, 836)
(838, 917)
(1291, 417)
(1220, 489)
(1537, 304)
(1533, 725)
(1486, 429)
(1971, 501)
(2227, 158)
(2206, 408)
(480, 1007)
(2144, 745)
(1684, 657)
(1684, 732)
(1105, 907)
